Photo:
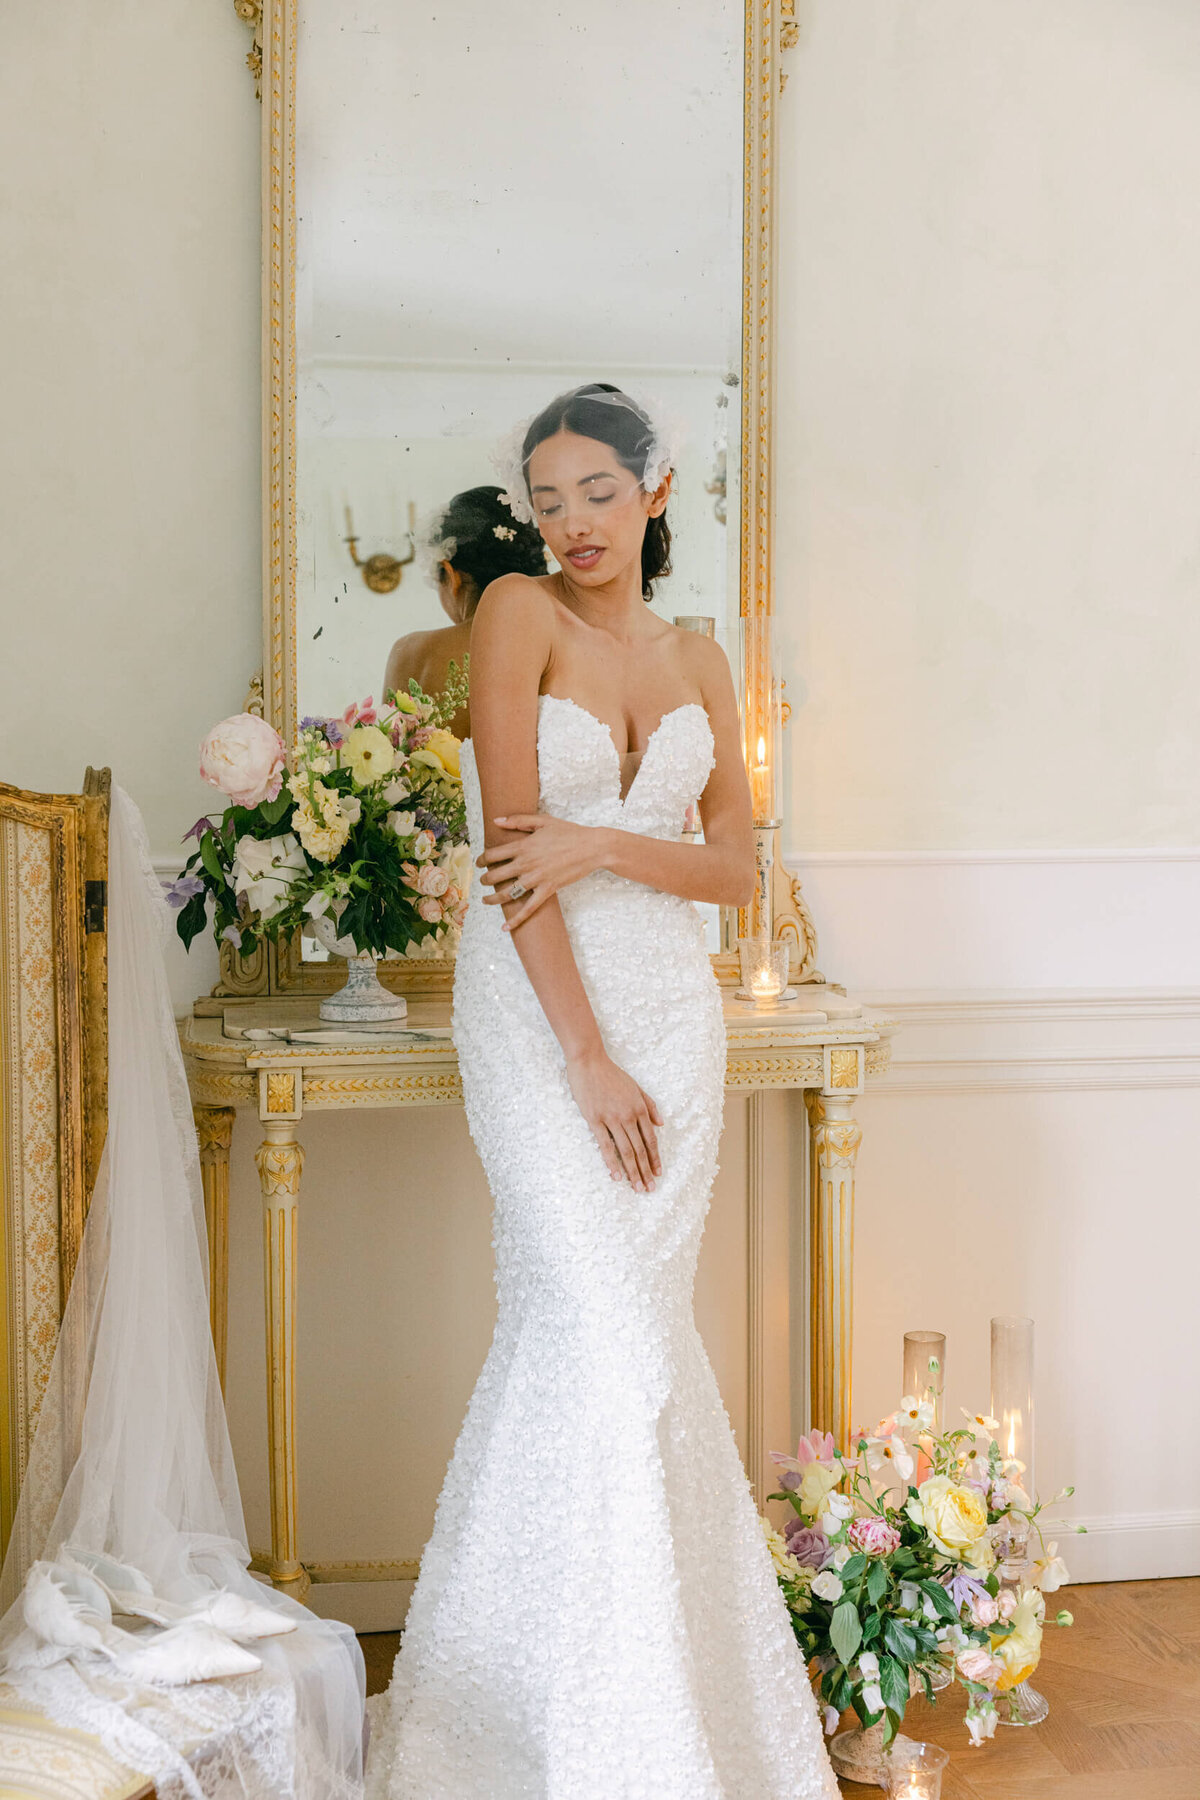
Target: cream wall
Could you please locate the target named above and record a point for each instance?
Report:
(987, 559)
(986, 453)
(990, 444)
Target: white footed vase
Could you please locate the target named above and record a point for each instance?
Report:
(363, 1000)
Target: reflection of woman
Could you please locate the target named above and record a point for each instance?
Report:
(597, 1612)
(475, 541)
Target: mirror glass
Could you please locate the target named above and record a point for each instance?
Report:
(497, 201)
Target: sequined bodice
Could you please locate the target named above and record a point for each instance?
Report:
(579, 770)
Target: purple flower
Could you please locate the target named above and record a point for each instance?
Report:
(962, 1587)
(233, 936)
(310, 722)
(198, 829)
(334, 732)
(183, 889)
(430, 822)
(808, 1545)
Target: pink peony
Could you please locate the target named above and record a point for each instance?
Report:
(243, 756)
(874, 1536)
(430, 909)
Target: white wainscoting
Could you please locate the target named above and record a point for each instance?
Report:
(1034, 1148)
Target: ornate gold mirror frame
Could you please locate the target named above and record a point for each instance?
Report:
(779, 908)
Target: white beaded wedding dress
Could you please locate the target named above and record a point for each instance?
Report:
(597, 1616)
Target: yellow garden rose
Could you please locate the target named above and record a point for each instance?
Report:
(955, 1517)
(1022, 1648)
(440, 751)
(368, 754)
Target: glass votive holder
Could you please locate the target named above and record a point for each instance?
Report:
(914, 1770)
(764, 968)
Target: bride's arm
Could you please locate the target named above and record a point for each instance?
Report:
(511, 644)
(545, 854)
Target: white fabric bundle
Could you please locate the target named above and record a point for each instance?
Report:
(129, 1609)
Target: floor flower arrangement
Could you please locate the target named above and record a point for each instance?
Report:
(907, 1561)
(362, 825)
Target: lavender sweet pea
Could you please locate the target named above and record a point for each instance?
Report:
(185, 888)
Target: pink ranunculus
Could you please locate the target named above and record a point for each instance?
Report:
(431, 878)
(977, 1665)
(874, 1536)
(984, 1609)
(1007, 1602)
(430, 909)
(244, 757)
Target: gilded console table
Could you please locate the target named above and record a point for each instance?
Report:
(827, 1045)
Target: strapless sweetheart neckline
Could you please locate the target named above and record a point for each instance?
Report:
(598, 722)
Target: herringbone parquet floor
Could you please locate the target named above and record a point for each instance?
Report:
(1124, 1690)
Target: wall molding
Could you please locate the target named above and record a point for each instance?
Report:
(798, 860)
(1022, 1041)
(1128, 1547)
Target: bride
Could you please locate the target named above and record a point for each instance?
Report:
(597, 1616)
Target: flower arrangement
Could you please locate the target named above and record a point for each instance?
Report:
(362, 827)
(898, 1564)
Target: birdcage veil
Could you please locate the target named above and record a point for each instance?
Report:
(650, 438)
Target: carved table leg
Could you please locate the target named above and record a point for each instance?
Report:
(280, 1160)
(214, 1128)
(836, 1136)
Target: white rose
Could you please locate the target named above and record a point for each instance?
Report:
(827, 1586)
(243, 756)
(264, 870)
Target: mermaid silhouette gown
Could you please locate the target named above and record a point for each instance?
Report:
(597, 1616)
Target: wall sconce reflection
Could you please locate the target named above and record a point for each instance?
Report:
(381, 572)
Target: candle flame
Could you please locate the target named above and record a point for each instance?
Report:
(762, 752)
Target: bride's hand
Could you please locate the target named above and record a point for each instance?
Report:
(621, 1116)
(550, 854)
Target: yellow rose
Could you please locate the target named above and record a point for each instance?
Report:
(816, 1485)
(440, 751)
(368, 754)
(980, 1555)
(955, 1517)
(1022, 1648)
(785, 1563)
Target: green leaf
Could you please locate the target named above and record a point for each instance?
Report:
(853, 1568)
(899, 1640)
(893, 1682)
(872, 1626)
(190, 920)
(935, 1592)
(271, 811)
(877, 1582)
(845, 1631)
(210, 859)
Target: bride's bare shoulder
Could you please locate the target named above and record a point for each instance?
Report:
(513, 598)
(513, 626)
(704, 661)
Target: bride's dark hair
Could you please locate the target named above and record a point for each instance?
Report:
(627, 431)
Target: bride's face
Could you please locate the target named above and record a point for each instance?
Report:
(590, 510)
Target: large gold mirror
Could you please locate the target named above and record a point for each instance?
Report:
(465, 211)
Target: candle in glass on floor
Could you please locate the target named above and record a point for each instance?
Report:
(1012, 1393)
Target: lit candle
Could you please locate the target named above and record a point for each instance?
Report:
(760, 783)
(1012, 1391)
